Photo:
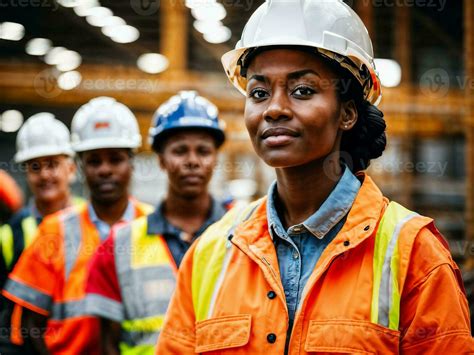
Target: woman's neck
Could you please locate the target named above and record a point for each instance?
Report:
(303, 189)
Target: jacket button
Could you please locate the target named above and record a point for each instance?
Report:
(271, 295)
(271, 338)
(346, 243)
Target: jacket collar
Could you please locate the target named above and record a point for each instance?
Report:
(360, 223)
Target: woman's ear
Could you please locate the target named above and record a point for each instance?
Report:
(349, 115)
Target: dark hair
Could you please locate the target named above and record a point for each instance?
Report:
(367, 139)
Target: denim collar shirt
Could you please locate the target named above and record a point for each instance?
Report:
(103, 227)
(300, 246)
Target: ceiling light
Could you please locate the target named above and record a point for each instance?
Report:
(82, 9)
(221, 35)
(69, 3)
(207, 26)
(38, 46)
(68, 60)
(97, 16)
(192, 4)
(125, 34)
(212, 11)
(390, 72)
(69, 80)
(110, 25)
(152, 63)
(11, 121)
(11, 31)
(53, 55)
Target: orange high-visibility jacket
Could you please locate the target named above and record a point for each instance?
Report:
(386, 284)
(50, 277)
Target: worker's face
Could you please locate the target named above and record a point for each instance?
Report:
(49, 177)
(189, 159)
(108, 173)
(292, 111)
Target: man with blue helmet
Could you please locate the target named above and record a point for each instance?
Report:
(133, 274)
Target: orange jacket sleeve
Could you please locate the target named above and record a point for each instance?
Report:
(33, 280)
(434, 309)
(178, 334)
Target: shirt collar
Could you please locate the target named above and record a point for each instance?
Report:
(331, 212)
(33, 211)
(128, 215)
(158, 224)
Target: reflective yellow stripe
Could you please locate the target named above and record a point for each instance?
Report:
(28, 225)
(394, 310)
(385, 307)
(149, 325)
(6, 243)
(209, 262)
(78, 201)
(146, 250)
(146, 208)
(126, 349)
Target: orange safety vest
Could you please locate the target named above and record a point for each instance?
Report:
(50, 279)
(386, 284)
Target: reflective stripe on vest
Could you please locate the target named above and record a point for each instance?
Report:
(7, 244)
(385, 308)
(212, 256)
(7, 239)
(28, 225)
(146, 275)
(72, 232)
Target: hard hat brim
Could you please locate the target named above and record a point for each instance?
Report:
(159, 138)
(106, 143)
(22, 157)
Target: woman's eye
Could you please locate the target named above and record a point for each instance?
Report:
(303, 91)
(258, 94)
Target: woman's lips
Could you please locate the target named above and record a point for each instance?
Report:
(278, 136)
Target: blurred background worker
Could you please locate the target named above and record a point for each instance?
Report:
(11, 197)
(11, 200)
(44, 150)
(49, 277)
(132, 275)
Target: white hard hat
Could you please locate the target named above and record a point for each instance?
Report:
(329, 26)
(40, 136)
(104, 123)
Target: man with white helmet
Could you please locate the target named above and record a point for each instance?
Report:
(44, 150)
(104, 135)
(132, 275)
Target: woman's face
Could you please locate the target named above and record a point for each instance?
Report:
(292, 111)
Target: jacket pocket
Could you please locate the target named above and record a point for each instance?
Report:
(222, 333)
(350, 337)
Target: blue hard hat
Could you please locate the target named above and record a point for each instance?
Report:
(187, 110)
